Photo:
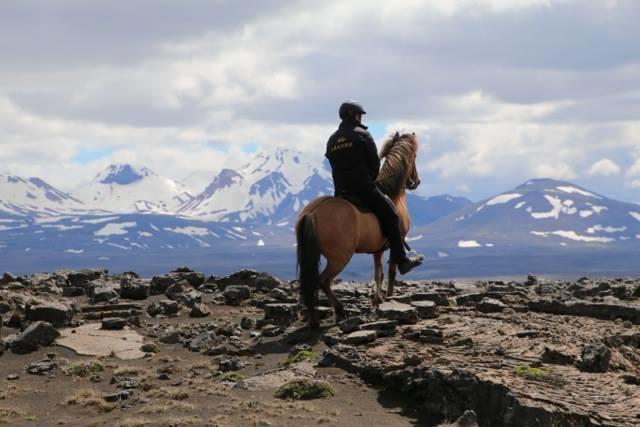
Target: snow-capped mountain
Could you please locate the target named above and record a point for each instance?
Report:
(124, 188)
(259, 188)
(26, 196)
(540, 212)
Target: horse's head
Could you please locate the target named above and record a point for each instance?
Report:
(399, 171)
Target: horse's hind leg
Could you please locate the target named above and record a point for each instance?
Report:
(332, 269)
(378, 298)
(392, 278)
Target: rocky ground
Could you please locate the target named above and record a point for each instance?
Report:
(90, 348)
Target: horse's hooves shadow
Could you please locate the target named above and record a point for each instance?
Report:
(306, 334)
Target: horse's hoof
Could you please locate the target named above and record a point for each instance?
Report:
(377, 299)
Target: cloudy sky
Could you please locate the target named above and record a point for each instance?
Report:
(499, 91)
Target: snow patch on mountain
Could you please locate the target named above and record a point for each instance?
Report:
(189, 231)
(572, 235)
(113, 229)
(469, 244)
(572, 190)
(608, 229)
(503, 198)
(557, 207)
(635, 215)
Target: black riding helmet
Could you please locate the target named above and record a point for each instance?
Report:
(349, 109)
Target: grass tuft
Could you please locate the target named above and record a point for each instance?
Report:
(84, 369)
(89, 398)
(302, 356)
(232, 376)
(304, 390)
(532, 373)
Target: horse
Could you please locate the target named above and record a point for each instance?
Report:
(336, 229)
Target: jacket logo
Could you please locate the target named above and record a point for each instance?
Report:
(341, 144)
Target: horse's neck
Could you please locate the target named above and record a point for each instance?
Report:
(400, 198)
(400, 202)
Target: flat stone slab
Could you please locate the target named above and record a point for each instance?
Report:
(90, 340)
(361, 337)
(403, 313)
(277, 378)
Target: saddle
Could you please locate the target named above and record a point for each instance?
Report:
(355, 201)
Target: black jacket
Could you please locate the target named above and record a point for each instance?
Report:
(353, 156)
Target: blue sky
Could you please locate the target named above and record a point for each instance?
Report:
(498, 91)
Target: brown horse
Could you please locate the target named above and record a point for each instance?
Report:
(336, 229)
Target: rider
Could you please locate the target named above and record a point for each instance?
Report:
(355, 164)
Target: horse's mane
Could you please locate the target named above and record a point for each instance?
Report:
(398, 151)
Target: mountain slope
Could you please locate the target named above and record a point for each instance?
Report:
(256, 190)
(425, 210)
(26, 196)
(126, 189)
(540, 212)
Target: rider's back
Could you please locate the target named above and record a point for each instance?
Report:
(353, 157)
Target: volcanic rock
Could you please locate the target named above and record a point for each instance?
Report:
(134, 289)
(439, 298)
(174, 291)
(199, 310)
(56, 313)
(556, 357)
(281, 313)
(235, 294)
(170, 336)
(8, 278)
(360, 337)
(72, 291)
(190, 298)
(230, 363)
(255, 280)
(81, 278)
(351, 324)
(37, 334)
(159, 284)
(164, 307)
(272, 330)
(42, 367)
(102, 292)
(383, 328)
(490, 305)
(426, 309)
(403, 313)
(595, 358)
(113, 324)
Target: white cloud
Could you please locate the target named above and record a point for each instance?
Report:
(604, 167)
(492, 107)
(634, 170)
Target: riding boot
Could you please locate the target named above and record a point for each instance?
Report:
(398, 254)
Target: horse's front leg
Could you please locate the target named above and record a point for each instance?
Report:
(392, 278)
(378, 277)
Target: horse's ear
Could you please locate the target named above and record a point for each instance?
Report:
(396, 136)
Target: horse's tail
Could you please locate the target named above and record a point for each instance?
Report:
(308, 264)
